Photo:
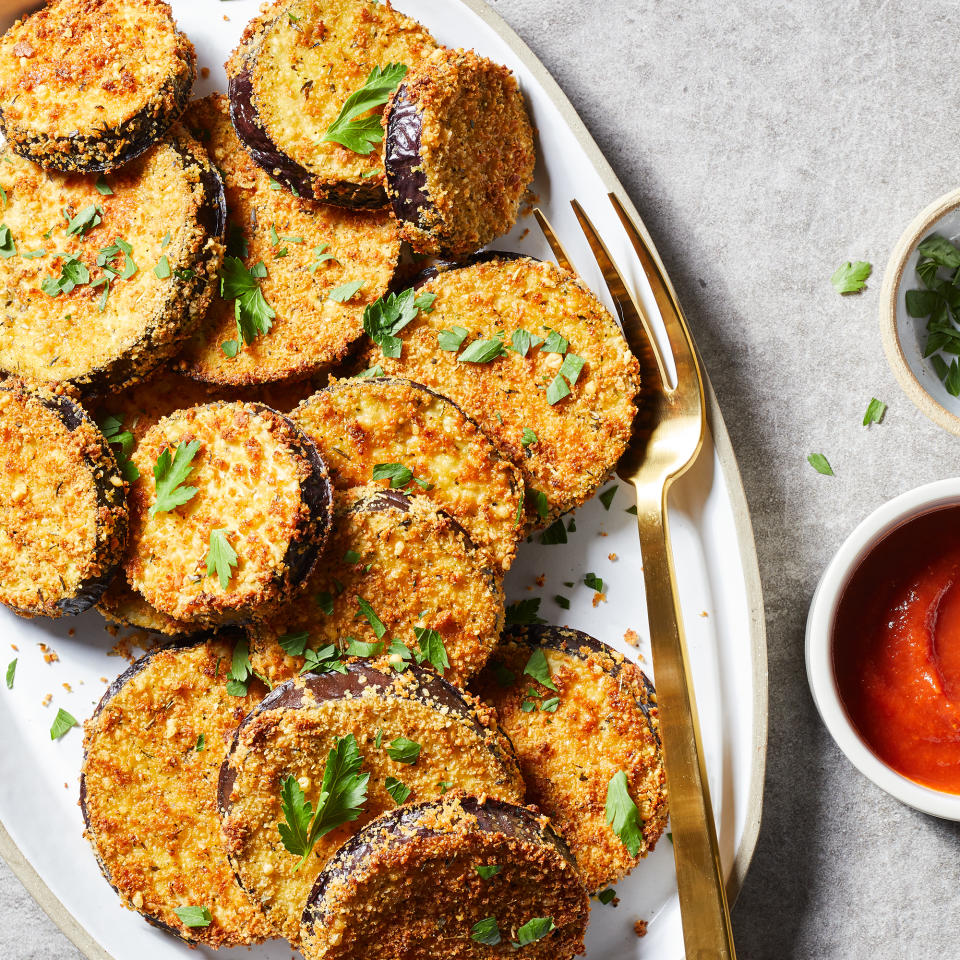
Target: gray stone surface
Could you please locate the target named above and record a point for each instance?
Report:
(764, 143)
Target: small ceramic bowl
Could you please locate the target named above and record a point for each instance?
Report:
(904, 336)
(819, 643)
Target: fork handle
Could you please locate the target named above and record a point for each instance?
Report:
(703, 901)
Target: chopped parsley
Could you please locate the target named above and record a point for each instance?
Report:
(486, 872)
(345, 291)
(403, 750)
(562, 602)
(594, 582)
(528, 437)
(875, 411)
(524, 611)
(62, 722)
(606, 497)
(486, 931)
(342, 796)
(238, 679)
(539, 501)
(385, 318)
(398, 475)
(607, 896)
(325, 660)
(73, 274)
(110, 426)
(557, 390)
(162, 269)
(522, 341)
(103, 188)
(85, 221)
(533, 930)
(623, 815)
(253, 314)
(397, 789)
(221, 557)
(431, 648)
(201, 744)
(194, 916)
(538, 668)
(482, 351)
(375, 371)
(554, 534)
(361, 135)
(851, 277)
(555, 343)
(360, 648)
(8, 246)
(451, 340)
(376, 624)
(320, 256)
(294, 643)
(169, 474)
(820, 463)
(11, 672)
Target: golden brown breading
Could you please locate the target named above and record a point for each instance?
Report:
(304, 58)
(474, 158)
(408, 886)
(258, 479)
(415, 568)
(578, 439)
(357, 424)
(148, 791)
(292, 733)
(86, 85)
(63, 515)
(605, 721)
(309, 249)
(100, 338)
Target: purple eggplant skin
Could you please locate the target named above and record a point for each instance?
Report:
(367, 195)
(111, 499)
(401, 159)
(482, 256)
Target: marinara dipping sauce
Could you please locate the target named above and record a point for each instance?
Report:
(896, 650)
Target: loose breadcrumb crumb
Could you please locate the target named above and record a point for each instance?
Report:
(541, 580)
(47, 699)
(599, 598)
(640, 928)
(49, 654)
(68, 688)
(632, 637)
(71, 632)
(612, 557)
(703, 613)
(204, 72)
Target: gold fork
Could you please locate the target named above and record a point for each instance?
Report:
(667, 436)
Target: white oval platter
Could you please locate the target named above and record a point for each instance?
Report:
(40, 823)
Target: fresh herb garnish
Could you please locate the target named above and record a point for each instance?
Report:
(162, 269)
(73, 273)
(562, 602)
(594, 582)
(486, 931)
(486, 872)
(444, 786)
(360, 648)
(557, 390)
(103, 188)
(253, 314)
(398, 475)
(376, 624)
(431, 648)
(194, 916)
(8, 246)
(623, 815)
(361, 135)
(451, 340)
(607, 896)
(400, 655)
(820, 463)
(324, 660)
(62, 722)
(110, 426)
(319, 256)
(550, 706)
(397, 789)
(169, 473)
(201, 744)
(554, 534)
(524, 611)
(385, 318)
(11, 672)
(540, 502)
(851, 277)
(606, 497)
(571, 367)
(482, 351)
(875, 411)
(555, 343)
(342, 796)
(294, 643)
(375, 371)
(533, 930)
(538, 668)
(345, 291)
(221, 557)
(521, 341)
(85, 221)
(241, 671)
(403, 750)
(528, 437)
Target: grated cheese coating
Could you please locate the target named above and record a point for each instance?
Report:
(258, 478)
(149, 796)
(606, 721)
(476, 152)
(580, 438)
(161, 205)
(415, 568)
(302, 60)
(87, 85)
(407, 886)
(310, 331)
(458, 746)
(359, 423)
(63, 516)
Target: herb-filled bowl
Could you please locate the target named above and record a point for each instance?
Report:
(920, 311)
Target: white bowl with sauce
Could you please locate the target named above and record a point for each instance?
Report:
(825, 607)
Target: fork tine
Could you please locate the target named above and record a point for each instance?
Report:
(681, 343)
(555, 245)
(636, 327)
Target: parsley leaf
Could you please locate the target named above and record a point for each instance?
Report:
(345, 291)
(376, 90)
(521, 342)
(555, 343)
(593, 582)
(324, 660)
(533, 930)
(400, 655)
(385, 318)
(939, 249)
(606, 497)
(820, 463)
(294, 643)
(169, 473)
(562, 602)
(486, 931)
(397, 789)
(253, 313)
(451, 340)
(320, 256)
(11, 672)
(431, 648)
(359, 648)
(8, 246)
(555, 533)
(162, 269)
(528, 437)
(85, 221)
(875, 411)
(403, 750)
(194, 916)
(540, 502)
(73, 274)
(623, 815)
(524, 611)
(376, 624)
(342, 796)
(103, 188)
(557, 390)
(607, 896)
(221, 557)
(571, 367)
(396, 473)
(240, 669)
(486, 872)
(62, 722)
(110, 425)
(201, 744)
(538, 668)
(482, 351)
(851, 277)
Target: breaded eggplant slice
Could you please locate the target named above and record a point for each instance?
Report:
(573, 442)
(295, 67)
(408, 885)
(99, 290)
(359, 424)
(148, 791)
(600, 720)
(309, 251)
(395, 569)
(254, 483)
(459, 153)
(63, 513)
(291, 734)
(87, 85)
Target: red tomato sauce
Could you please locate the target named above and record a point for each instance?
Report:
(896, 650)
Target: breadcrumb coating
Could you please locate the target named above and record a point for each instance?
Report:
(63, 515)
(148, 791)
(605, 721)
(86, 85)
(292, 733)
(357, 424)
(309, 249)
(408, 885)
(580, 438)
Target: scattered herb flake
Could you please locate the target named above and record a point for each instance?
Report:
(557, 390)
(554, 534)
(361, 135)
(294, 643)
(62, 722)
(538, 668)
(481, 351)
(162, 269)
(385, 318)
(169, 475)
(623, 815)
(194, 916)
(397, 789)
(533, 930)
(11, 672)
(875, 411)
(486, 931)
(403, 750)
(524, 611)
(221, 557)
(451, 340)
(528, 437)
(820, 463)
(851, 277)
(345, 291)
(606, 497)
(607, 896)
(103, 188)
(594, 582)
(253, 314)
(376, 624)
(562, 602)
